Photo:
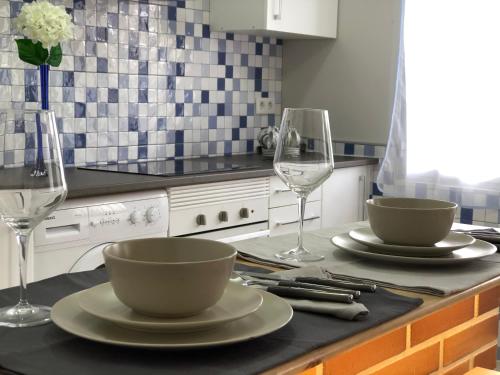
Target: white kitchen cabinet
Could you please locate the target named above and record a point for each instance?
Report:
(281, 18)
(283, 210)
(281, 195)
(344, 195)
(284, 220)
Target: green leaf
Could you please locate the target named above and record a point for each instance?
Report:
(55, 57)
(32, 53)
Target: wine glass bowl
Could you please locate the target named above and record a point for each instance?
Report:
(33, 185)
(303, 161)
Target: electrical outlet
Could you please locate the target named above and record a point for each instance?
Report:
(264, 106)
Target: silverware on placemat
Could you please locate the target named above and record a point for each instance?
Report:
(309, 294)
(294, 284)
(487, 234)
(364, 287)
(297, 290)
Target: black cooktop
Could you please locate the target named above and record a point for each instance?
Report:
(172, 167)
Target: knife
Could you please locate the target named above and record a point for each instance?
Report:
(300, 293)
(295, 284)
(316, 280)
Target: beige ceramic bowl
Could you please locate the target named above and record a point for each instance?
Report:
(410, 221)
(169, 277)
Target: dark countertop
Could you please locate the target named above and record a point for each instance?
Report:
(86, 183)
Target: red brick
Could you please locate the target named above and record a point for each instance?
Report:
(367, 355)
(459, 369)
(422, 362)
(442, 320)
(489, 300)
(487, 359)
(470, 339)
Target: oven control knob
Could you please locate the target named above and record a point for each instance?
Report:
(135, 217)
(152, 215)
(201, 220)
(223, 216)
(244, 213)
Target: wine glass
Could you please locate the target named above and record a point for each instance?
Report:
(303, 161)
(28, 141)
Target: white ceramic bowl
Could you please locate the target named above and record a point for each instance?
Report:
(169, 277)
(410, 221)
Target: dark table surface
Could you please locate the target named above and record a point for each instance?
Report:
(49, 350)
(85, 183)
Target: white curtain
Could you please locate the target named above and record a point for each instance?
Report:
(445, 130)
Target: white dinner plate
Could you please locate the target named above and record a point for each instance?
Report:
(236, 302)
(273, 314)
(478, 249)
(452, 241)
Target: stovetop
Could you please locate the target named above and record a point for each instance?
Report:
(172, 167)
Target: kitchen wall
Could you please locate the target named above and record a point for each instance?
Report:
(352, 76)
(146, 80)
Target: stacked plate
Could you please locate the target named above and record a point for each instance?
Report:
(241, 314)
(455, 248)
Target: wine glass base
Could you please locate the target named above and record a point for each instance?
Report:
(24, 315)
(299, 255)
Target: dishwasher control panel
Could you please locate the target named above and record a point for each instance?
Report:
(109, 218)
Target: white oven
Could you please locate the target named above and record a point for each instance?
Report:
(225, 211)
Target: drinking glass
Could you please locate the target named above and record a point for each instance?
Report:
(303, 161)
(28, 141)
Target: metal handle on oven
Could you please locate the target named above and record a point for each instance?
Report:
(245, 236)
(296, 221)
(282, 190)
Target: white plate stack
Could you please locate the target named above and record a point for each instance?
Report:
(455, 248)
(241, 314)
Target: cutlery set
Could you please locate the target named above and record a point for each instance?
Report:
(311, 294)
(312, 288)
(295, 284)
(486, 234)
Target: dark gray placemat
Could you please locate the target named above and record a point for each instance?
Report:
(49, 350)
(439, 279)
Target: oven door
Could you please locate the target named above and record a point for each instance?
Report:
(234, 234)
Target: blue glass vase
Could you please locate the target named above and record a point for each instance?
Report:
(40, 169)
(44, 84)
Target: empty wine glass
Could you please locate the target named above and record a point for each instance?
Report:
(28, 139)
(303, 160)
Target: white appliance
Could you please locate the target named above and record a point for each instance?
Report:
(71, 239)
(225, 211)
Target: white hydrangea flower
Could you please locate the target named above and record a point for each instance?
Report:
(44, 22)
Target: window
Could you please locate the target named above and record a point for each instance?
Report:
(449, 102)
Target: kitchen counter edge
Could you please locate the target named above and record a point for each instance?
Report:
(87, 183)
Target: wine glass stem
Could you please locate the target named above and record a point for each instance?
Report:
(23, 242)
(302, 208)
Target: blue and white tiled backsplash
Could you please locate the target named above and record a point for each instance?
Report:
(147, 80)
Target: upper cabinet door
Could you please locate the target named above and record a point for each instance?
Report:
(287, 19)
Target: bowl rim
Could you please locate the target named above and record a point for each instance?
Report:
(106, 252)
(452, 205)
